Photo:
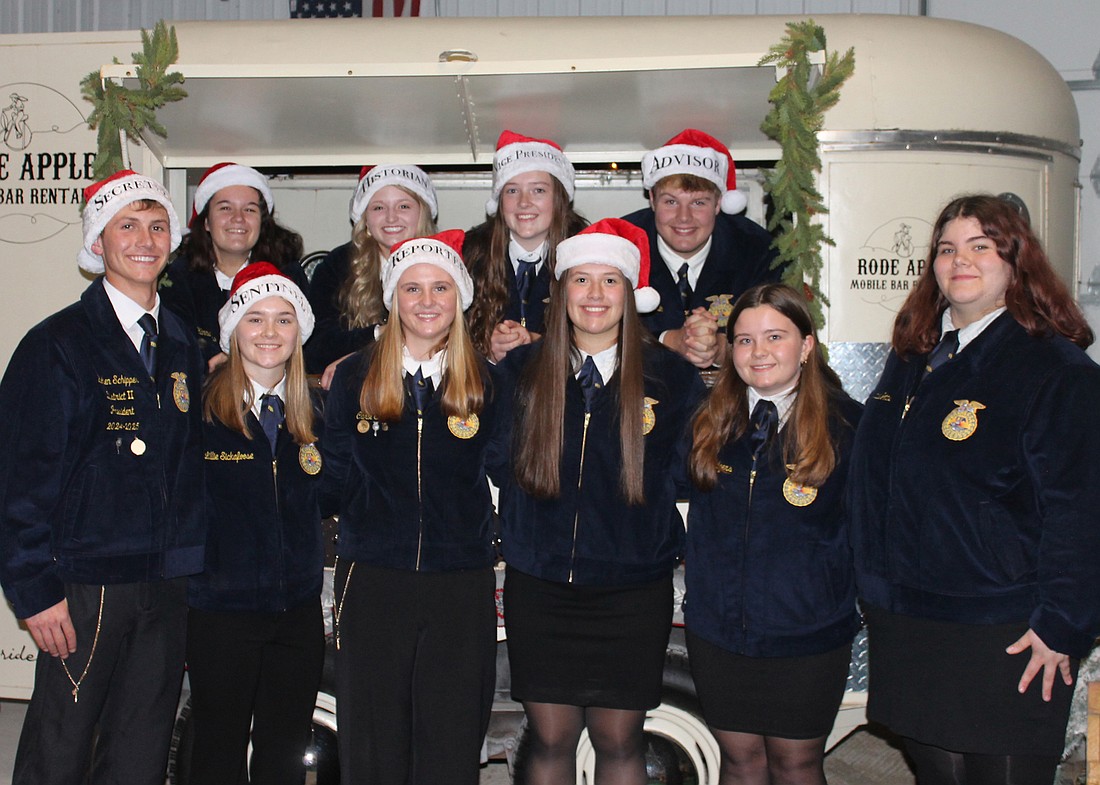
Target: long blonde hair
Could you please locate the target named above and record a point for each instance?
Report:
(383, 393)
(227, 395)
(361, 294)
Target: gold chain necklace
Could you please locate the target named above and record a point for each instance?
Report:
(98, 623)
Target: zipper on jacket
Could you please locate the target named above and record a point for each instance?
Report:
(279, 519)
(745, 543)
(905, 409)
(419, 494)
(580, 477)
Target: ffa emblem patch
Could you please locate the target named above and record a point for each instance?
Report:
(463, 428)
(798, 495)
(180, 394)
(309, 458)
(721, 307)
(649, 418)
(962, 421)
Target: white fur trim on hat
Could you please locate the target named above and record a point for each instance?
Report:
(518, 154)
(264, 281)
(695, 153)
(222, 176)
(427, 250)
(375, 178)
(104, 199)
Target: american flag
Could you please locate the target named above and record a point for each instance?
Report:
(316, 9)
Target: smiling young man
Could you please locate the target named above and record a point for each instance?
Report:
(98, 490)
(706, 250)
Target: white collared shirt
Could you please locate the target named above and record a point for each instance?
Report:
(258, 391)
(128, 313)
(783, 402)
(431, 368)
(606, 362)
(972, 330)
(517, 253)
(674, 261)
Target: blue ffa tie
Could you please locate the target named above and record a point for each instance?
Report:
(525, 277)
(764, 419)
(271, 417)
(945, 350)
(148, 350)
(684, 286)
(421, 390)
(591, 382)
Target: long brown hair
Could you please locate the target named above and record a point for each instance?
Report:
(227, 395)
(277, 244)
(360, 297)
(382, 395)
(541, 397)
(1036, 297)
(487, 265)
(724, 415)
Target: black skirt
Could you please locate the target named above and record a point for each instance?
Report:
(587, 645)
(953, 686)
(787, 697)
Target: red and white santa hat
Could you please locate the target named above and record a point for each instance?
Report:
(617, 243)
(104, 199)
(258, 281)
(517, 154)
(444, 250)
(225, 174)
(374, 178)
(700, 154)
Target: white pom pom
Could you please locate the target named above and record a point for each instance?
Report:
(646, 299)
(734, 202)
(491, 206)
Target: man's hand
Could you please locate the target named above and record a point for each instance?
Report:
(52, 630)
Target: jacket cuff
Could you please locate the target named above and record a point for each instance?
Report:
(1059, 635)
(37, 595)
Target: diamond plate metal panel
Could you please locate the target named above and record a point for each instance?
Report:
(858, 365)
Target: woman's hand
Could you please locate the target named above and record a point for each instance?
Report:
(330, 371)
(1042, 656)
(215, 361)
(507, 336)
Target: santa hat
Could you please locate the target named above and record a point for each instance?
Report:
(700, 154)
(373, 178)
(618, 243)
(258, 281)
(223, 175)
(518, 154)
(104, 199)
(444, 250)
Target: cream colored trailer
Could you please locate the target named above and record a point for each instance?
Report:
(935, 108)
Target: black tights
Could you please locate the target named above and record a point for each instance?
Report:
(750, 759)
(553, 730)
(937, 766)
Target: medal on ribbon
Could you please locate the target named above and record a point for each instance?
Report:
(961, 423)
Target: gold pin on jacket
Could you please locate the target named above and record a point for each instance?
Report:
(309, 458)
(649, 417)
(962, 421)
(796, 493)
(463, 428)
(180, 394)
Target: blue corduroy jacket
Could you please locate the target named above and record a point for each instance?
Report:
(590, 535)
(432, 513)
(101, 473)
(766, 578)
(997, 527)
(264, 549)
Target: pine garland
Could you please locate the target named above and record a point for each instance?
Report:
(118, 108)
(797, 114)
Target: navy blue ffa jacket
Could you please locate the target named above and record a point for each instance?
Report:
(972, 492)
(766, 578)
(331, 338)
(740, 257)
(414, 495)
(589, 535)
(476, 253)
(264, 549)
(196, 298)
(101, 472)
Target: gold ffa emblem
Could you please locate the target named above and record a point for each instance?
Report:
(463, 428)
(724, 468)
(649, 418)
(309, 458)
(797, 494)
(180, 394)
(962, 421)
(721, 307)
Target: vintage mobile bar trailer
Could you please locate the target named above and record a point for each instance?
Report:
(313, 100)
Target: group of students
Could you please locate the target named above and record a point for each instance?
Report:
(561, 361)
